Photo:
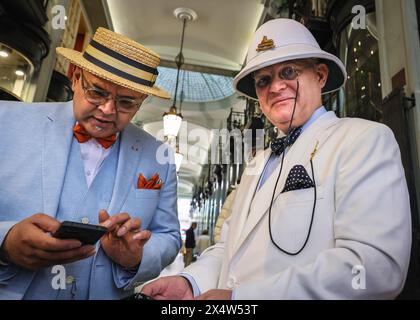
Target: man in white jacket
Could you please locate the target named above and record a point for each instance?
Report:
(328, 215)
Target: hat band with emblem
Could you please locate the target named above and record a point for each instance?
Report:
(282, 40)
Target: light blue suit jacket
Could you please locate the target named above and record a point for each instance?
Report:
(35, 143)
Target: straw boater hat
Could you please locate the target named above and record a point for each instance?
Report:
(119, 60)
(281, 40)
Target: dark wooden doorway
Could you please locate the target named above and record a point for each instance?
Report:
(395, 115)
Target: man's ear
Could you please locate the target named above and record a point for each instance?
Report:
(77, 73)
(322, 72)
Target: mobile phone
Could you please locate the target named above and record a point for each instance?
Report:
(85, 233)
(138, 296)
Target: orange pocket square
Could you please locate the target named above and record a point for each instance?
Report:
(154, 183)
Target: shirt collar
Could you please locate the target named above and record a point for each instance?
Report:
(318, 112)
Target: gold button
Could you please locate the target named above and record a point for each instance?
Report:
(69, 280)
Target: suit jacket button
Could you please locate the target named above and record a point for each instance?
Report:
(69, 280)
(85, 220)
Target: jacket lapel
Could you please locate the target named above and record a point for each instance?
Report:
(299, 153)
(56, 149)
(128, 159)
(245, 194)
(57, 137)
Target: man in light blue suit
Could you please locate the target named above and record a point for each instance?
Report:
(84, 161)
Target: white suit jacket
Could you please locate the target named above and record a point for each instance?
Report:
(359, 246)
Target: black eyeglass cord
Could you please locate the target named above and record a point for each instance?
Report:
(275, 188)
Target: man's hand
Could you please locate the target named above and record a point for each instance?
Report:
(29, 245)
(216, 294)
(124, 242)
(169, 288)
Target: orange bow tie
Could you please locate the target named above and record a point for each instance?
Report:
(82, 136)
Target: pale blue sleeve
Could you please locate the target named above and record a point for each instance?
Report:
(7, 271)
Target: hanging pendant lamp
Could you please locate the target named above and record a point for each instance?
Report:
(172, 120)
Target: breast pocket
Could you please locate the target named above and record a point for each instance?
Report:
(301, 196)
(142, 203)
(147, 193)
(291, 216)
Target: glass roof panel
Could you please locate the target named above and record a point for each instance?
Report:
(196, 86)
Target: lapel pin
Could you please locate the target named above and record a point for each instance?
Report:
(314, 151)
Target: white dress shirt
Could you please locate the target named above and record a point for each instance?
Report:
(93, 156)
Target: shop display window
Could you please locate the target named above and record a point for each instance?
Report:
(16, 72)
(359, 51)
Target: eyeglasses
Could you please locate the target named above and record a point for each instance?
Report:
(99, 97)
(285, 73)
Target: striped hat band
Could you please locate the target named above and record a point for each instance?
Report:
(119, 60)
(120, 65)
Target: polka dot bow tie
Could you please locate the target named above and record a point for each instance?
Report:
(279, 144)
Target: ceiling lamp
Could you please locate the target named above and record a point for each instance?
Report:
(172, 120)
(178, 155)
(19, 72)
(4, 51)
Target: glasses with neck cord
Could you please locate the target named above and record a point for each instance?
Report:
(288, 72)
